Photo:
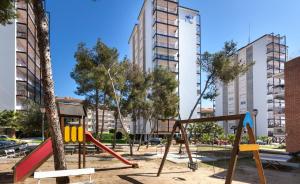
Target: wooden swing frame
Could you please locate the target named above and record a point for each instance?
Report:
(245, 120)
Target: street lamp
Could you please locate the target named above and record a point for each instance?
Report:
(43, 110)
(255, 112)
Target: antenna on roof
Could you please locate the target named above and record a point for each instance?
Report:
(249, 34)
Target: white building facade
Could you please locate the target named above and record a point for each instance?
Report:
(20, 73)
(168, 35)
(259, 88)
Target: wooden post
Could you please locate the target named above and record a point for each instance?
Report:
(84, 148)
(235, 151)
(167, 148)
(79, 155)
(258, 163)
(186, 142)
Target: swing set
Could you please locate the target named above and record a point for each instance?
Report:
(245, 121)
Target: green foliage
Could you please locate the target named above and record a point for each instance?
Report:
(10, 119)
(29, 122)
(245, 139)
(7, 12)
(90, 71)
(32, 119)
(221, 66)
(206, 132)
(119, 135)
(263, 138)
(163, 94)
(137, 85)
(231, 138)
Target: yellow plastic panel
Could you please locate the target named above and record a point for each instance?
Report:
(67, 134)
(74, 133)
(80, 134)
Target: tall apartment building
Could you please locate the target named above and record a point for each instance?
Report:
(20, 73)
(168, 35)
(260, 88)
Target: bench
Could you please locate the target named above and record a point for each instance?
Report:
(274, 160)
(63, 173)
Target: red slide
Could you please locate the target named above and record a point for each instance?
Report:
(89, 137)
(27, 165)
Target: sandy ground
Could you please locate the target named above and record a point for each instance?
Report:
(112, 171)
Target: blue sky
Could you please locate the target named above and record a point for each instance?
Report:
(75, 21)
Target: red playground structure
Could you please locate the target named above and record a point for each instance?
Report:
(39, 155)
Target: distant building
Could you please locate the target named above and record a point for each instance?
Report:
(168, 35)
(206, 112)
(261, 88)
(109, 121)
(292, 106)
(20, 67)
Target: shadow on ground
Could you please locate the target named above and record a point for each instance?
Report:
(129, 177)
(6, 177)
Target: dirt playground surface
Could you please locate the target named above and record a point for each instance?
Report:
(111, 171)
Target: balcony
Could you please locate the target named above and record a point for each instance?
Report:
(271, 58)
(22, 16)
(21, 89)
(165, 57)
(166, 21)
(21, 31)
(21, 45)
(166, 45)
(20, 103)
(21, 59)
(21, 74)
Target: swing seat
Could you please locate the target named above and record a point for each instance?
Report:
(193, 165)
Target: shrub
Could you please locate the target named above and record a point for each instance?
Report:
(119, 135)
(231, 138)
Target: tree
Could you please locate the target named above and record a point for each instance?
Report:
(136, 102)
(91, 77)
(48, 88)
(10, 119)
(200, 131)
(219, 67)
(31, 119)
(7, 12)
(164, 97)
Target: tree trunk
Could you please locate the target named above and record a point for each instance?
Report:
(97, 113)
(103, 112)
(115, 133)
(144, 132)
(48, 88)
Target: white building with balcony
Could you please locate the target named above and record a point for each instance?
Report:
(168, 35)
(260, 88)
(20, 73)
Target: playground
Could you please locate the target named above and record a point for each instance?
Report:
(109, 170)
(157, 163)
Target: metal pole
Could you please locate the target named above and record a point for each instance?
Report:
(43, 126)
(255, 128)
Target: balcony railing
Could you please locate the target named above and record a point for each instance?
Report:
(165, 33)
(271, 58)
(163, 44)
(165, 57)
(165, 9)
(166, 21)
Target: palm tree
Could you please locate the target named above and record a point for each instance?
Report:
(48, 88)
